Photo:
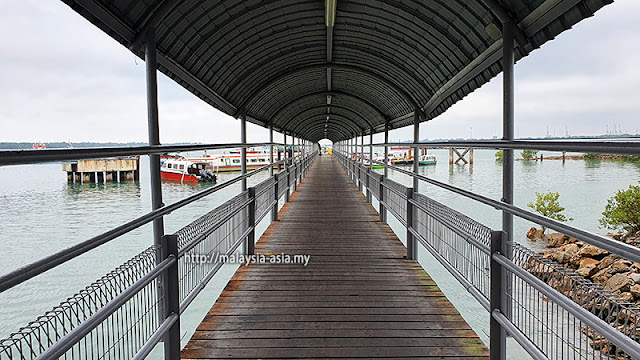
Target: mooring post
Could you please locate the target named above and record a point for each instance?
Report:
(451, 155)
(169, 244)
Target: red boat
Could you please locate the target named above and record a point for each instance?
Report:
(178, 168)
(39, 146)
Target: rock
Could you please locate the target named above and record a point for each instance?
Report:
(616, 236)
(535, 234)
(555, 239)
(635, 290)
(589, 261)
(560, 256)
(602, 276)
(635, 277)
(627, 296)
(608, 260)
(588, 267)
(618, 282)
(592, 252)
(588, 270)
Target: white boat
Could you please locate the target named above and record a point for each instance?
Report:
(427, 159)
(178, 168)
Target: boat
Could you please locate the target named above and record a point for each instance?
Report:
(178, 168)
(39, 146)
(231, 161)
(378, 161)
(427, 159)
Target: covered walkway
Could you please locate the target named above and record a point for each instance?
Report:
(357, 297)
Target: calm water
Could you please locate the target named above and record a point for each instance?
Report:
(41, 213)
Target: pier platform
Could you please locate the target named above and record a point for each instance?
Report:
(357, 297)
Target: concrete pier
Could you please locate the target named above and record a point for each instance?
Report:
(103, 170)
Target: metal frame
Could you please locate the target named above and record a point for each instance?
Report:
(166, 269)
(503, 269)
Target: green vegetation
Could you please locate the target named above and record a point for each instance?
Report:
(499, 155)
(623, 210)
(591, 156)
(529, 154)
(547, 204)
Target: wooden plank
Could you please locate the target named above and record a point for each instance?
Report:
(356, 298)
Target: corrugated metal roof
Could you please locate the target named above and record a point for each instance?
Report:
(271, 57)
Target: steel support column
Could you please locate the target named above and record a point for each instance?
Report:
(243, 151)
(416, 139)
(498, 342)
(271, 150)
(386, 149)
(154, 131)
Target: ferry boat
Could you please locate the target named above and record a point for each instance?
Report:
(178, 168)
(231, 161)
(427, 159)
(39, 146)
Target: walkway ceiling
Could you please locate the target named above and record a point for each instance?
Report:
(365, 63)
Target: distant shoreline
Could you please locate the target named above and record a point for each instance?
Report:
(65, 145)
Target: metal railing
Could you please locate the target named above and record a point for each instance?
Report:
(126, 313)
(549, 310)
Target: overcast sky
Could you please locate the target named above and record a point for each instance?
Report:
(62, 79)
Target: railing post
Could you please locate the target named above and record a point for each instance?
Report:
(368, 174)
(169, 247)
(243, 151)
(360, 176)
(497, 335)
(251, 220)
(412, 250)
(286, 194)
(381, 199)
(274, 210)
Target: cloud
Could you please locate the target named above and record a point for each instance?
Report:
(64, 79)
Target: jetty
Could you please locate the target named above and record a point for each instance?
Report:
(103, 170)
(357, 297)
(340, 71)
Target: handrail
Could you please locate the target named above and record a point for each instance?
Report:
(59, 348)
(617, 337)
(37, 267)
(169, 324)
(603, 147)
(613, 246)
(17, 157)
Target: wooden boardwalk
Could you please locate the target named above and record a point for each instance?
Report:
(357, 297)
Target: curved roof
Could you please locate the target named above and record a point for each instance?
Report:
(380, 61)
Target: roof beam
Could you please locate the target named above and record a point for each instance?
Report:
(328, 113)
(504, 15)
(324, 94)
(283, 75)
(322, 119)
(330, 128)
(161, 11)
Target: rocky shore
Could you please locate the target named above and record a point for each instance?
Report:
(618, 277)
